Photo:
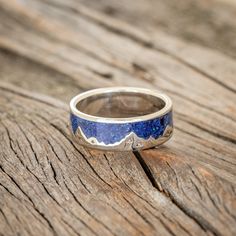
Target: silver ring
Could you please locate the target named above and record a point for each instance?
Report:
(121, 118)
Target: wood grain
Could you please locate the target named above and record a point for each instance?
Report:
(209, 23)
(52, 186)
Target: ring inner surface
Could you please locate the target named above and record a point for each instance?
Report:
(120, 105)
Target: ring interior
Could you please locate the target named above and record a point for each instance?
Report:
(120, 105)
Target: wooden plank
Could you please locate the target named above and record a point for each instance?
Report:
(191, 185)
(95, 54)
(209, 23)
(114, 187)
(64, 188)
(25, 73)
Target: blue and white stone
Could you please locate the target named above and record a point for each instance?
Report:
(130, 135)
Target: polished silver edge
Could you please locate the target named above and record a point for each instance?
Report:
(167, 108)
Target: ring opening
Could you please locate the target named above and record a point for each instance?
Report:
(120, 104)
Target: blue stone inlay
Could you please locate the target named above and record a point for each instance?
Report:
(112, 132)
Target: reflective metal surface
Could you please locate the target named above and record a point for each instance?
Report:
(121, 118)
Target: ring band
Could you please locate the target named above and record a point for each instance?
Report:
(121, 118)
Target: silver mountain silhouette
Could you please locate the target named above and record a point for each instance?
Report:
(129, 142)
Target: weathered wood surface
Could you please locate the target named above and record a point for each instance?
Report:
(210, 23)
(49, 185)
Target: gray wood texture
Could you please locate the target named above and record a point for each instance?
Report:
(51, 50)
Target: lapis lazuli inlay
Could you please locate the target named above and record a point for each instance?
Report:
(110, 133)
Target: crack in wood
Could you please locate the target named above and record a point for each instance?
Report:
(193, 215)
(180, 210)
(146, 169)
(28, 197)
